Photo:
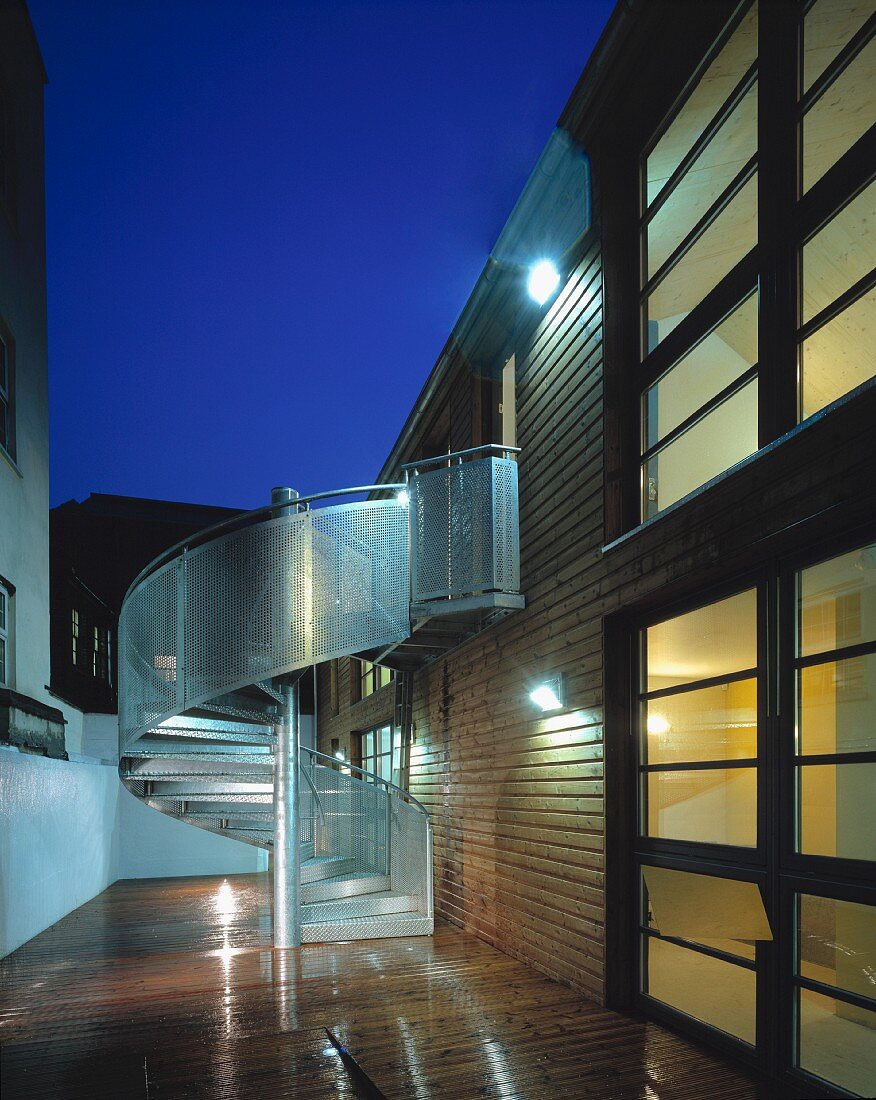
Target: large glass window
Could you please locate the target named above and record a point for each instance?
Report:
(837, 336)
(698, 938)
(701, 314)
(839, 82)
(723, 866)
(835, 676)
(700, 216)
(377, 751)
(699, 415)
(699, 725)
(373, 677)
(835, 960)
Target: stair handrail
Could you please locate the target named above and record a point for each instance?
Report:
(458, 456)
(242, 519)
(335, 763)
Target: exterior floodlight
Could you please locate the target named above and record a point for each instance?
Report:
(543, 281)
(549, 695)
(404, 498)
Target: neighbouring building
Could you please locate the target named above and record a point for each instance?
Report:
(98, 546)
(29, 716)
(690, 830)
(67, 827)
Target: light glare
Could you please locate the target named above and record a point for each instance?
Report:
(404, 498)
(543, 281)
(545, 697)
(657, 724)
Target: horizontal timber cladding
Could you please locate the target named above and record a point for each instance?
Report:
(353, 716)
(517, 799)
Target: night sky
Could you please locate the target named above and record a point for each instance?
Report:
(264, 217)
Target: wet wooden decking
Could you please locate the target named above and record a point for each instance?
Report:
(169, 988)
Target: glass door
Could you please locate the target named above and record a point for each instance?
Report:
(700, 848)
(828, 871)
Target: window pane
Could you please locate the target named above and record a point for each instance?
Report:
(711, 990)
(727, 914)
(837, 602)
(828, 26)
(2, 660)
(837, 944)
(730, 237)
(712, 445)
(836, 706)
(836, 810)
(837, 1042)
(712, 171)
(716, 723)
(726, 353)
(712, 641)
(839, 356)
(703, 103)
(840, 116)
(714, 806)
(840, 254)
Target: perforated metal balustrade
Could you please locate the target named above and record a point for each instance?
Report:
(209, 627)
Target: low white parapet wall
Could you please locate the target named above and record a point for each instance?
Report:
(69, 829)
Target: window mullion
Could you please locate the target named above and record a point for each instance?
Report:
(778, 190)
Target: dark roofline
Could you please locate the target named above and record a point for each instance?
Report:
(596, 71)
(35, 41)
(113, 504)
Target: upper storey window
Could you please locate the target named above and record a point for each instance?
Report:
(757, 294)
(699, 224)
(837, 108)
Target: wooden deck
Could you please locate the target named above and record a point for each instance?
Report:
(169, 988)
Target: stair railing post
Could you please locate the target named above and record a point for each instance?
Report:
(287, 809)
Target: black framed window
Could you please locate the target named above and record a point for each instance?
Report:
(376, 753)
(7, 391)
(836, 333)
(5, 631)
(757, 292)
(100, 656)
(754, 716)
(373, 677)
(698, 301)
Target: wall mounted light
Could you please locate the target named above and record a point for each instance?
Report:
(339, 756)
(549, 695)
(543, 281)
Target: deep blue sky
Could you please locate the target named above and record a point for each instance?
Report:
(264, 217)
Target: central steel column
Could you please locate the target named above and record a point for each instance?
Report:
(287, 849)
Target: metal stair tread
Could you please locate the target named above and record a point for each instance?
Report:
(367, 928)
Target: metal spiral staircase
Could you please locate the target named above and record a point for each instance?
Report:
(215, 633)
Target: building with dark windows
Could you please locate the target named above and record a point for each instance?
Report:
(98, 546)
(689, 831)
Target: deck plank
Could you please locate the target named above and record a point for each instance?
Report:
(170, 988)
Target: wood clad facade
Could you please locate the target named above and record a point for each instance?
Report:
(534, 815)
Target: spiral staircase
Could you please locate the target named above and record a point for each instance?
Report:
(215, 633)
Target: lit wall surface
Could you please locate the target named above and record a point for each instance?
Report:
(68, 830)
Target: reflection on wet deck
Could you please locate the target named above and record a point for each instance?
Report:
(169, 988)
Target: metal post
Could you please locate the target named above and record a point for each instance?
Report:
(287, 825)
